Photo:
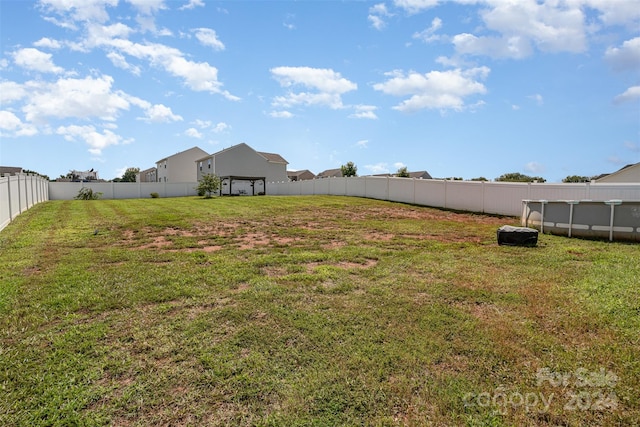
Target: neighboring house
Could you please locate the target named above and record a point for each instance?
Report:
(147, 175)
(629, 173)
(420, 175)
(300, 175)
(243, 170)
(179, 167)
(9, 170)
(330, 173)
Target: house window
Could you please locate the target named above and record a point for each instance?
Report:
(200, 165)
(209, 164)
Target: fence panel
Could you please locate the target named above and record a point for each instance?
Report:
(19, 193)
(505, 198)
(602, 192)
(465, 195)
(356, 187)
(401, 190)
(377, 187)
(544, 191)
(5, 206)
(430, 192)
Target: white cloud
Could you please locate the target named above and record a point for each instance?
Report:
(35, 60)
(281, 114)
(208, 37)
(192, 5)
(534, 167)
(519, 26)
(95, 140)
(78, 98)
(193, 133)
(551, 27)
(537, 98)
(629, 95)
(15, 127)
(415, 6)
(87, 99)
(221, 127)
(46, 42)
(148, 7)
(287, 22)
(11, 91)
(202, 124)
(198, 76)
(328, 84)
(120, 61)
(362, 143)
(160, 114)
(377, 13)
(378, 168)
(429, 35)
(620, 12)
(325, 80)
(364, 112)
(626, 57)
(442, 90)
(399, 165)
(101, 35)
(79, 10)
(496, 47)
(632, 146)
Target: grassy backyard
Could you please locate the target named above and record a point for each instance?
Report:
(298, 311)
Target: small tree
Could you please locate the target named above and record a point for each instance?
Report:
(577, 178)
(130, 175)
(518, 177)
(208, 185)
(402, 172)
(350, 169)
(480, 178)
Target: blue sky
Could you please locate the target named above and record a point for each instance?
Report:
(462, 88)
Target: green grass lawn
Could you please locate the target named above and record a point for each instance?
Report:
(299, 311)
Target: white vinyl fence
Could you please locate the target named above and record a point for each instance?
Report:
(123, 190)
(18, 193)
(501, 198)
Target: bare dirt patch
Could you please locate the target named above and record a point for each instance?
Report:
(247, 234)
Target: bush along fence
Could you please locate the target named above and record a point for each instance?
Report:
(19, 193)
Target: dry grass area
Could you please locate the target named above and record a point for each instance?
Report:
(309, 311)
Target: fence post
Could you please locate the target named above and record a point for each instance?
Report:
(445, 194)
(387, 190)
(613, 204)
(19, 196)
(9, 194)
(413, 198)
(26, 193)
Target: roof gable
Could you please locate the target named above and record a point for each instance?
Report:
(192, 150)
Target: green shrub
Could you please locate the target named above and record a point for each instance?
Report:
(86, 193)
(154, 195)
